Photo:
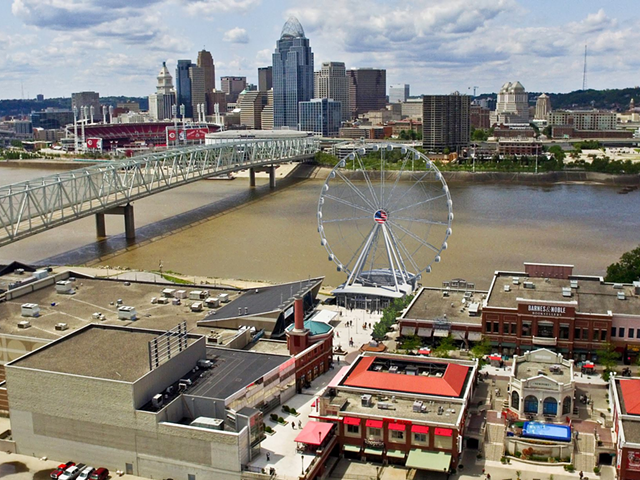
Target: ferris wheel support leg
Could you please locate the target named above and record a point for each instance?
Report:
(390, 257)
(272, 176)
(252, 177)
(357, 267)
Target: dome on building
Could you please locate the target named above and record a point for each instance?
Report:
(517, 87)
(292, 29)
(505, 88)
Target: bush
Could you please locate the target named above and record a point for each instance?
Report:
(569, 468)
(596, 470)
(503, 459)
(518, 454)
(280, 420)
(292, 411)
(268, 429)
(274, 417)
(285, 408)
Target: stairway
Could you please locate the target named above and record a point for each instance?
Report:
(585, 453)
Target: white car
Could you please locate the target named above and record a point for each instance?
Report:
(84, 475)
(71, 473)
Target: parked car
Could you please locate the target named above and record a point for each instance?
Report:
(72, 473)
(99, 474)
(61, 468)
(84, 475)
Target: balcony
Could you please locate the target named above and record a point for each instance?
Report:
(544, 341)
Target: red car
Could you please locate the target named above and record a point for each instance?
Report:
(61, 468)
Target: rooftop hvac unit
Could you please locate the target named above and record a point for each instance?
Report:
(180, 294)
(64, 287)
(196, 307)
(366, 400)
(224, 297)
(157, 401)
(19, 271)
(163, 300)
(154, 300)
(468, 294)
(61, 326)
(393, 369)
(195, 294)
(210, 423)
(507, 288)
(516, 280)
(40, 274)
(636, 287)
(529, 285)
(621, 296)
(617, 286)
(119, 301)
(566, 292)
(573, 283)
(30, 310)
(417, 406)
(24, 324)
(126, 313)
(175, 301)
(212, 302)
(168, 292)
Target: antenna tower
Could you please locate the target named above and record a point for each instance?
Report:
(584, 72)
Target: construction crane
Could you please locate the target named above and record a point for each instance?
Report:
(474, 89)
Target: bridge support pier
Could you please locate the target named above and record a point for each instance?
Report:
(129, 224)
(272, 176)
(252, 177)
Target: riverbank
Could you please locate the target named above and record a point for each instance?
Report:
(49, 164)
(524, 178)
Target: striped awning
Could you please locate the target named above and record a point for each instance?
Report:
(406, 330)
(425, 332)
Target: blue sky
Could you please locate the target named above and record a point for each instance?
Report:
(116, 47)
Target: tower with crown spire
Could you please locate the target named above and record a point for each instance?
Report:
(160, 103)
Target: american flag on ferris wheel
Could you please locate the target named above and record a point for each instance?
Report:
(380, 216)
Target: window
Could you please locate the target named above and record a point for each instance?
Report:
(545, 330)
(585, 334)
(397, 435)
(420, 437)
(613, 331)
(487, 327)
(576, 333)
(531, 404)
(191, 476)
(355, 429)
(514, 328)
(515, 400)
(496, 327)
(526, 329)
(621, 332)
(550, 406)
(632, 332)
(564, 331)
(603, 335)
(374, 432)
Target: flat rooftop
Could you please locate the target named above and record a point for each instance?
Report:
(100, 296)
(233, 370)
(526, 369)
(263, 300)
(592, 295)
(439, 412)
(435, 303)
(405, 375)
(98, 352)
(277, 347)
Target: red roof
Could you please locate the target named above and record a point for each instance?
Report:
(631, 395)
(350, 421)
(314, 433)
(449, 385)
(419, 429)
(397, 426)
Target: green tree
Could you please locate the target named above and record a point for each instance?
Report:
(446, 345)
(481, 349)
(380, 330)
(412, 342)
(557, 152)
(607, 356)
(546, 131)
(627, 270)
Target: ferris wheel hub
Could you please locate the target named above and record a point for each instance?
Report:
(380, 216)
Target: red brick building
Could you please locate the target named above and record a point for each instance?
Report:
(624, 395)
(401, 409)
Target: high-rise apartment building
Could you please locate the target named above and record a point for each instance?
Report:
(398, 93)
(266, 118)
(321, 116)
(292, 74)
(512, 105)
(445, 122)
(331, 82)
(183, 87)
(543, 107)
(87, 99)
(160, 103)
(198, 93)
(265, 79)
(205, 62)
(251, 103)
(232, 86)
(367, 90)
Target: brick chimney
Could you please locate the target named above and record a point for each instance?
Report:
(298, 319)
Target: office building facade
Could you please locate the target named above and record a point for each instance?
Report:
(265, 79)
(205, 62)
(321, 116)
(367, 90)
(198, 94)
(183, 87)
(331, 82)
(160, 103)
(232, 86)
(512, 105)
(543, 107)
(251, 103)
(445, 122)
(292, 74)
(398, 93)
(86, 99)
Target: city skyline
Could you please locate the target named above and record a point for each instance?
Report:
(436, 47)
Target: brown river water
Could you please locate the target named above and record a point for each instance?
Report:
(223, 229)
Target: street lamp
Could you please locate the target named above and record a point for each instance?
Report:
(75, 129)
(182, 112)
(174, 114)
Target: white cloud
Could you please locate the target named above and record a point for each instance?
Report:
(236, 35)
(210, 8)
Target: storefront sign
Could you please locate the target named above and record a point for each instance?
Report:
(547, 310)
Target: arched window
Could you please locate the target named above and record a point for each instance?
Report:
(550, 406)
(530, 404)
(515, 400)
(566, 405)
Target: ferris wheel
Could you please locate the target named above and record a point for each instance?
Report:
(384, 217)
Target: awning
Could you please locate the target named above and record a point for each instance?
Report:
(314, 433)
(425, 332)
(374, 423)
(458, 335)
(434, 461)
(444, 432)
(396, 453)
(351, 448)
(397, 426)
(372, 451)
(419, 429)
(408, 331)
(350, 421)
(440, 333)
(474, 336)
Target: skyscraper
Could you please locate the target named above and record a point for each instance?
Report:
(232, 86)
(265, 79)
(292, 74)
(398, 93)
(543, 107)
(512, 105)
(160, 103)
(367, 90)
(183, 87)
(205, 61)
(331, 82)
(87, 99)
(321, 116)
(445, 122)
(198, 93)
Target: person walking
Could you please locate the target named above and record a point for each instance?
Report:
(268, 457)
(293, 425)
(300, 424)
(581, 475)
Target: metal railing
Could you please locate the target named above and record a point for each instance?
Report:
(31, 207)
